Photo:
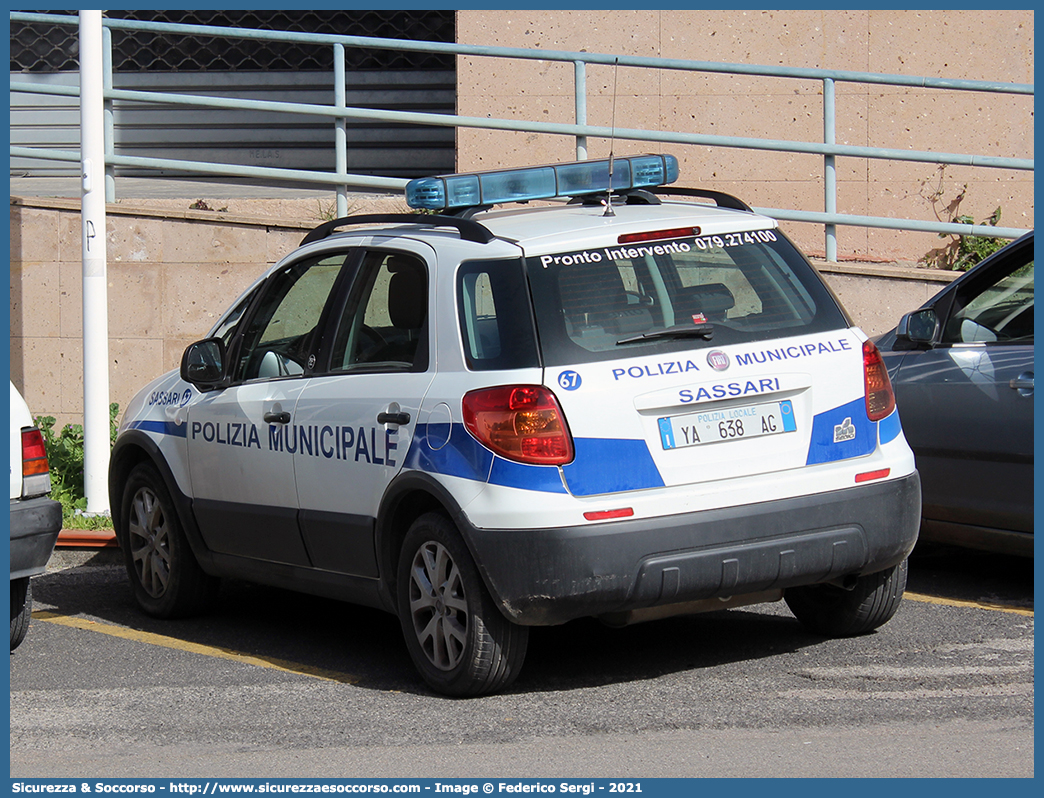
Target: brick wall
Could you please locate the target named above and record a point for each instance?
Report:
(170, 275)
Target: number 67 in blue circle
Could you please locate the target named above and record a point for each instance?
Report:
(569, 380)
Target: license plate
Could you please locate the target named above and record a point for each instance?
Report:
(717, 426)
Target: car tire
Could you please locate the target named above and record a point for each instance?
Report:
(835, 612)
(165, 576)
(458, 639)
(21, 609)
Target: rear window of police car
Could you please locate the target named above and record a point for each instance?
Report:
(747, 286)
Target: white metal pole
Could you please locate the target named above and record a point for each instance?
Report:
(830, 167)
(95, 289)
(580, 98)
(340, 129)
(110, 120)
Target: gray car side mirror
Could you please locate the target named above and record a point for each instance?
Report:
(918, 327)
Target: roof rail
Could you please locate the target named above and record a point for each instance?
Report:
(469, 230)
(722, 199)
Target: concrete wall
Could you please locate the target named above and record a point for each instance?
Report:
(172, 272)
(995, 45)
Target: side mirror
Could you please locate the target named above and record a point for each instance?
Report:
(919, 327)
(203, 363)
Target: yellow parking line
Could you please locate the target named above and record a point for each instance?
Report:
(193, 648)
(982, 605)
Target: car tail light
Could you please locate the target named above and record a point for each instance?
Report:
(880, 399)
(520, 422)
(36, 477)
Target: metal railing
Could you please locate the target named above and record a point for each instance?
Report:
(340, 114)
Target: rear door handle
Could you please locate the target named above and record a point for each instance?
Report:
(393, 418)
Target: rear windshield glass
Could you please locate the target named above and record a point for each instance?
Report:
(643, 297)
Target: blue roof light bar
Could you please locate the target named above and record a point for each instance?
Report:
(476, 189)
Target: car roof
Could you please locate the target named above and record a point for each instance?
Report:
(570, 226)
(533, 223)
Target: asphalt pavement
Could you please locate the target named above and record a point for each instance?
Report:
(278, 684)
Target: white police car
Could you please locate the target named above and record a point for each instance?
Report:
(485, 420)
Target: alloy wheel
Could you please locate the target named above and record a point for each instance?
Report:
(438, 605)
(149, 542)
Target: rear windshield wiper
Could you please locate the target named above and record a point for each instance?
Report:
(705, 331)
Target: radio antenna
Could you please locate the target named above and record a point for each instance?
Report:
(612, 143)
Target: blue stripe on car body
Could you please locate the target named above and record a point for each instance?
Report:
(601, 465)
(161, 428)
(890, 428)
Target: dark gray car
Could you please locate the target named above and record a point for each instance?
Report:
(962, 369)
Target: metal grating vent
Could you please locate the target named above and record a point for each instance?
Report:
(55, 48)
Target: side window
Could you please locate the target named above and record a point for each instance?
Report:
(226, 328)
(999, 311)
(496, 324)
(277, 339)
(479, 317)
(385, 323)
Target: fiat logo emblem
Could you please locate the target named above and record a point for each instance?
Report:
(718, 360)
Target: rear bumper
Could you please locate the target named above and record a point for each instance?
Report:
(35, 524)
(550, 576)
